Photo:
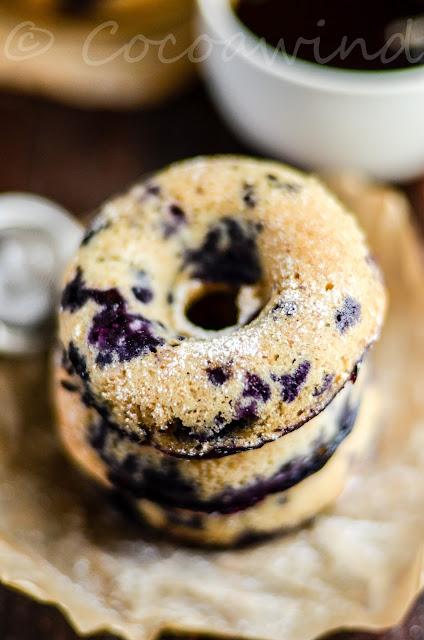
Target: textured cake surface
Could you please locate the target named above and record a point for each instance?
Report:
(228, 484)
(293, 258)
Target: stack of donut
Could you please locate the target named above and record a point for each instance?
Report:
(214, 332)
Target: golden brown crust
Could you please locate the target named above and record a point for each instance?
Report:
(323, 303)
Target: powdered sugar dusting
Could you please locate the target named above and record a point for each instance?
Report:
(310, 261)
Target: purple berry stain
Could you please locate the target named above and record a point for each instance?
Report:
(228, 254)
(327, 381)
(248, 195)
(349, 315)
(114, 331)
(153, 189)
(143, 294)
(246, 412)
(256, 388)
(177, 218)
(291, 383)
(75, 294)
(78, 362)
(218, 375)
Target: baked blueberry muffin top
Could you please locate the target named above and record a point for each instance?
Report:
(219, 305)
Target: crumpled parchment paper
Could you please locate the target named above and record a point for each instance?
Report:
(359, 564)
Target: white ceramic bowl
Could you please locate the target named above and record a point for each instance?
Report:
(309, 114)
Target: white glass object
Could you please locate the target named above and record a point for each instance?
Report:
(37, 238)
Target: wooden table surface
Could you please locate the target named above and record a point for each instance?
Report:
(79, 158)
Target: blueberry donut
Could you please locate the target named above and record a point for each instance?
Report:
(214, 327)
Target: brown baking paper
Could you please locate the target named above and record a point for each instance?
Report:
(62, 541)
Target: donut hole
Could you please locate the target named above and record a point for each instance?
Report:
(214, 310)
(207, 309)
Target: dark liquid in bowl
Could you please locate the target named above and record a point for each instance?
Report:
(349, 34)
